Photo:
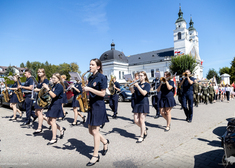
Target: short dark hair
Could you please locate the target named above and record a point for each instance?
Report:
(28, 70)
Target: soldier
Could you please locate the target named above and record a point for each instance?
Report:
(205, 93)
(200, 92)
(211, 92)
(195, 93)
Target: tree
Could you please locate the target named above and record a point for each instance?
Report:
(224, 70)
(211, 73)
(181, 63)
(11, 70)
(64, 69)
(22, 65)
(232, 71)
(74, 67)
(28, 64)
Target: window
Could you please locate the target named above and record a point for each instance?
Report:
(152, 72)
(120, 75)
(179, 35)
(133, 74)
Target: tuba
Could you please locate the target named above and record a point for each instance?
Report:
(111, 84)
(6, 93)
(82, 98)
(19, 92)
(44, 98)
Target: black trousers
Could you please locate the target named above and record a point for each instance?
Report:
(228, 95)
(28, 107)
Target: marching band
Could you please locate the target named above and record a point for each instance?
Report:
(53, 95)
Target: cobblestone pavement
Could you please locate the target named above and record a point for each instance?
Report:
(193, 144)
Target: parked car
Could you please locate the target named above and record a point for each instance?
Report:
(124, 94)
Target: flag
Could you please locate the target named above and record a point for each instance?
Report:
(233, 85)
(201, 62)
(175, 86)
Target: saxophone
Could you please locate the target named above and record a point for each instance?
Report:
(19, 92)
(6, 93)
(111, 84)
(82, 98)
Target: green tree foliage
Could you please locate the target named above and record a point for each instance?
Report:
(50, 69)
(232, 71)
(181, 63)
(9, 70)
(211, 73)
(22, 65)
(224, 70)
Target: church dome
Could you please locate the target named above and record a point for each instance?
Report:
(113, 55)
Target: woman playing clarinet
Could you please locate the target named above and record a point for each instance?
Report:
(97, 84)
(141, 106)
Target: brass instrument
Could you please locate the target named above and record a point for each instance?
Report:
(131, 84)
(111, 84)
(44, 98)
(82, 98)
(19, 92)
(6, 93)
(163, 79)
(186, 75)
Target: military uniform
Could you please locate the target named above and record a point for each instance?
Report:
(205, 94)
(211, 92)
(196, 93)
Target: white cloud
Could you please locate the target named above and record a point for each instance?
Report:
(95, 15)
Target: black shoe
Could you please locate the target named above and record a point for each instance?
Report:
(84, 119)
(145, 135)
(91, 164)
(189, 121)
(141, 139)
(37, 131)
(156, 117)
(102, 126)
(196, 105)
(167, 129)
(114, 116)
(62, 135)
(25, 123)
(52, 142)
(105, 151)
(74, 124)
(13, 119)
(34, 118)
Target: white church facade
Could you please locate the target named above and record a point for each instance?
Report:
(185, 42)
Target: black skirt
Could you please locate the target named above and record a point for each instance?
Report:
(167, 102)
(14, 98)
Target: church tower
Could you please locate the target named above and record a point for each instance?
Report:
(181, 35)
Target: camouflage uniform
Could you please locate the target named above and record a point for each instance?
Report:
(211, 92)
(205, 94)
(195, 94)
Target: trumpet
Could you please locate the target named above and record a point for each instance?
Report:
(163, 79)
(186, 75)
(131, 84)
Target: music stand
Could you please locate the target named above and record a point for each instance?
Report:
(75, 76)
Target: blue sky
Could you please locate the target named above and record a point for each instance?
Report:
(68, 31)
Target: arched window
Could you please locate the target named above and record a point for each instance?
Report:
(179, 35)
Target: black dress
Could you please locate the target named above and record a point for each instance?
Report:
(167, 96)
(141, 102)
(13, 97)
(55, 109)
(75, 103)
(97, 114)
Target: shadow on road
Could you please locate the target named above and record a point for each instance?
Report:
(122, 132)
(79, 146)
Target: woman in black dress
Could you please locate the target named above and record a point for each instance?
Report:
(39, 110)
(55, 109)
(14, 100)
(141, 106)
(167, 101)
(97, 84)
(77, 89)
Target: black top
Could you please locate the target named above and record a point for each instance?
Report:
(165, 91)
(186, 86)
(46, 81)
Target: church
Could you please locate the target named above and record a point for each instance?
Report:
(185, 42)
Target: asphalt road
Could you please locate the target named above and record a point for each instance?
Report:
(20, 148)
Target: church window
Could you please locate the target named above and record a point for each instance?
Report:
(133, 73)
(152, 72)
(120, 75)
(152, 55)
(120, 56)
(179, 35)
(139, 57)
(106, 56)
